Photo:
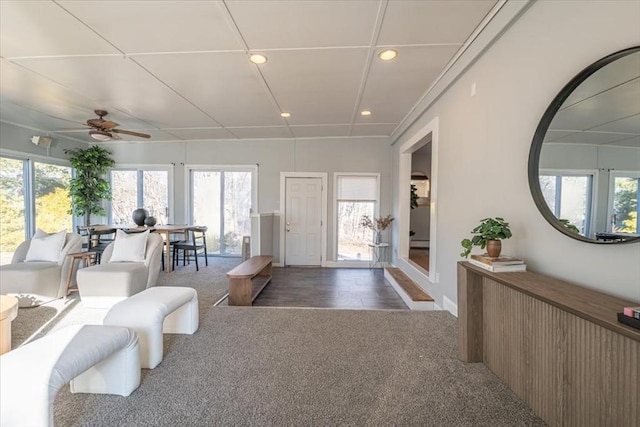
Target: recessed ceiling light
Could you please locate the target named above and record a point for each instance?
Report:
(285, 115)
(258, 59)
(365, 113)
(388, 55)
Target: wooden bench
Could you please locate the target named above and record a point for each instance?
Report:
(248, 279)
(409, 291)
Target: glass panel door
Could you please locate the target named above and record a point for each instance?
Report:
(124, 195)
(221, 200)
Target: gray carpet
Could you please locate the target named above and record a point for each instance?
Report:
(32, 323)
(254, 366)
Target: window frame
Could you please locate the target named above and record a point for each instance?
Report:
(592, 185)
(376, 212)
(140, 169)
(613, 174)
(28, 185)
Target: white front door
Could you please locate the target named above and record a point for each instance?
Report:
(303, 221)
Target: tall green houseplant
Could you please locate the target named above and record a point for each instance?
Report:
(89, 187)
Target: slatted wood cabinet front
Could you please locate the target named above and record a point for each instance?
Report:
(558, 346)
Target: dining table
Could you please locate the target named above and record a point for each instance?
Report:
(164, 229)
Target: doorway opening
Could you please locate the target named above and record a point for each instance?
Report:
(417, 208)
(420, 216)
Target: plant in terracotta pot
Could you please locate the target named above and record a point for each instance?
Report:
(489, 234)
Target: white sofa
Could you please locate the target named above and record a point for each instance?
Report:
(103, 285)
(37, 282)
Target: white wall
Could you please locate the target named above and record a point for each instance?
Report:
(484, 143)
(371, 155)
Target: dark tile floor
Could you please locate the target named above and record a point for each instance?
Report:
(350, 288)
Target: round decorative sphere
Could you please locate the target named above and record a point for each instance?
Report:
(139, 215)
(150, 221)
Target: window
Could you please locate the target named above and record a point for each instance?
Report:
(221, 199)
(569, 197)
(625, 202)
(356, 195)
(51, 190)
(134, 188)
(32, 194)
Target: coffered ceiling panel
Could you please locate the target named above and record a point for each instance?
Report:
(317, 86)
(125, 85)
(180, 70)
(431, 22)
(162, 26)
(304, 24)
(196, 134)
(42, 28)
(394, 87)
(320, 131)
(262, 132)
(220, 77)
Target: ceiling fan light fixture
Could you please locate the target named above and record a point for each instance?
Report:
(258, 59)
(100, 135)
(388, 55)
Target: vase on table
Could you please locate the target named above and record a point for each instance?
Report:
(139, 215)
(377, 237)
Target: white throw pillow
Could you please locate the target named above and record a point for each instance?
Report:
(46, 247)
(129, 247)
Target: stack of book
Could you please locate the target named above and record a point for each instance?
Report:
(499, 264)
(630, 316)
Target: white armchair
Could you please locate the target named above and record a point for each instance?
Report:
(37, 282)
(103, 285)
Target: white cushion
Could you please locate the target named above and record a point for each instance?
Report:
(46, 247)
(129, 247)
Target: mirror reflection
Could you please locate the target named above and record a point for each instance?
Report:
(589, 163)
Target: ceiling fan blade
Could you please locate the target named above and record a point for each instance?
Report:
(128, 132)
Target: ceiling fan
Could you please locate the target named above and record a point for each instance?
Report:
(105, 130)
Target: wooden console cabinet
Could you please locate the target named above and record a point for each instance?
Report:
(557, 345)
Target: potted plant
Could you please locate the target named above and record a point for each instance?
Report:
(489, 234)
(88, 188)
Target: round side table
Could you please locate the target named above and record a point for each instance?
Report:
(8, 312)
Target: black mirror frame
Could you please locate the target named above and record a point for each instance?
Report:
(538, 139)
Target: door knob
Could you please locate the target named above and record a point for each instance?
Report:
(288, 230)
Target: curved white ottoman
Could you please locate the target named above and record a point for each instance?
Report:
(168, 309)
(94, 358)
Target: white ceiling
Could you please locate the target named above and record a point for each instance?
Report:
(604, 109)
(179, 70)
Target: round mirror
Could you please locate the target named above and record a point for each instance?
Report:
(584, 163)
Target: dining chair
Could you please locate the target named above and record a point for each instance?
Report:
(173, 238)
(196, 242)
(99, 240)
